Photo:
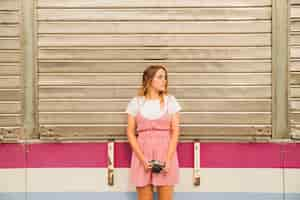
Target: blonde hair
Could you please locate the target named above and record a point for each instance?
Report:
(148, 76)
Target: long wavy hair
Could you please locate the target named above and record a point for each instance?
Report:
(148, 76)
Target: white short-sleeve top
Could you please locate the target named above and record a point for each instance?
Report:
(150, 108)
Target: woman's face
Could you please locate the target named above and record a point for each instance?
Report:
(159, 80)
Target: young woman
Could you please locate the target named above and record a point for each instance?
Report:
(154, 115)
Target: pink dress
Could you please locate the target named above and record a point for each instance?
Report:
(153, 139)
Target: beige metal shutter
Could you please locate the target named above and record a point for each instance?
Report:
(10, 71)
(91, 55)
(294, 68)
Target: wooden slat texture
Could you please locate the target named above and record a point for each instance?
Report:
(197, 130)
(10, 120)
(187, 118)
(294, 52)
(295, 26)
(9, 69)
(11, 81)
(10, 94)
(91, 55)
(152, 3)
(10, 107)
(175, 79)
(260, 92)
(295, 129)
(263, 39)
(294, 12)
(165, 14)
(157, 40)
(10, 55)
(292, 2)
(158, 53)
(294, 105)
(155, 27)
(294, 66)
(195, 66)
(197, 105)
(294, 40)
(10, 43)
(294, 118)
(295, 78)
(9, 30)
(8, 17)
(9, 5)
(294, 91)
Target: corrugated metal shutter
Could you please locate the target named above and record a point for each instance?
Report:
(91, 55)
(294, 68)
(11, 116)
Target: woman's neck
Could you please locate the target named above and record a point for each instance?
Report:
(152, 95)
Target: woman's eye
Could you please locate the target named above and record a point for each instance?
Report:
(161, 77)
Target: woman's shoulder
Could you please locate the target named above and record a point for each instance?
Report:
(132, 105)
(171, 97)
(136, 99)
(173, 103)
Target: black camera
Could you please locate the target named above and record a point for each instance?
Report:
(157, 166)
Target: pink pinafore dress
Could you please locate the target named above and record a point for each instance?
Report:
(153, 139)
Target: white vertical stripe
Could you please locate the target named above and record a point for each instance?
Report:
(197, 162)
(110, 170)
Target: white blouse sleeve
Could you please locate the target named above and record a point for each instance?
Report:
(174, 106)
(132, 106)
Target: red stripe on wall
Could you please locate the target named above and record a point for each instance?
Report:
(94, 155)
(291, 154)
(241, 155)
(12, 156)
(66, 155)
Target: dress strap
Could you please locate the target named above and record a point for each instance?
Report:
(138, 104)
(167, 104)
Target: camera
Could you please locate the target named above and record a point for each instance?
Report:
(157, 166)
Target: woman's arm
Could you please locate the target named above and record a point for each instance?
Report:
(174, 136)
(132, 139)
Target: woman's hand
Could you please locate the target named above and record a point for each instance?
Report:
(147, 166)
(167, 167)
